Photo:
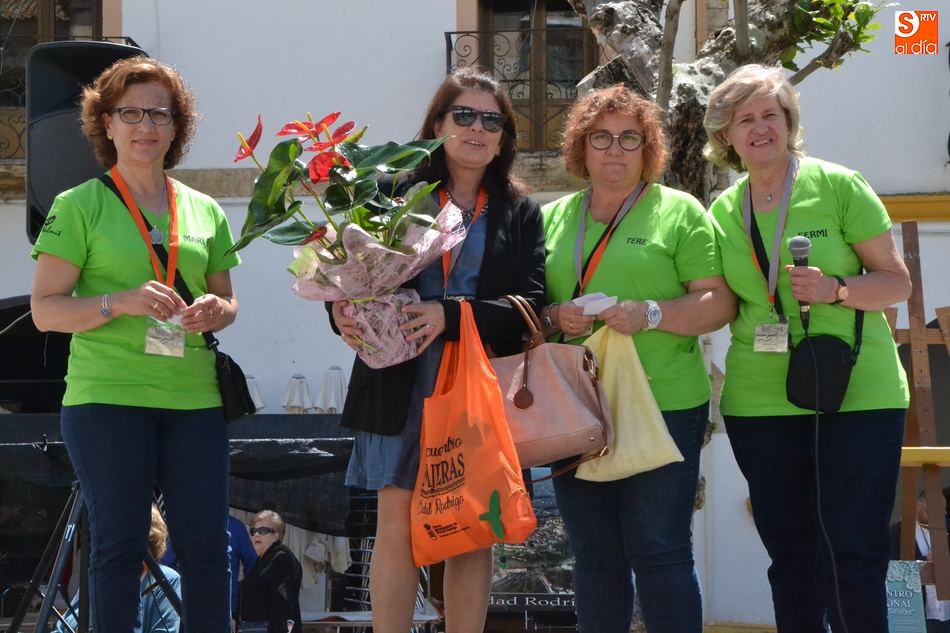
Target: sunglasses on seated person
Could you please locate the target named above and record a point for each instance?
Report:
(262, 530)
(464, 116)
(602, 139)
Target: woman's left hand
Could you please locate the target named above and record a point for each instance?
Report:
(206, 314)
(809, 284)
(428, 323)
(627, 317)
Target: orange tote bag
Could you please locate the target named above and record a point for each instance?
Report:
(469, 492)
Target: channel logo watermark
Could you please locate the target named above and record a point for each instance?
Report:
(915, 33)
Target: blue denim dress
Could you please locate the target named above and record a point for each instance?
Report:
(381, 460)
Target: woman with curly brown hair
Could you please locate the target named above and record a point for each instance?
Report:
(142, 405)
(654, 249)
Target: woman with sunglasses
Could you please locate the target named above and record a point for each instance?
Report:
(652, 248)
(503, 253)
(142, 405)
(270, 594)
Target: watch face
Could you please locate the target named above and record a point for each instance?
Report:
(106, 313)
(842, 293)
(653, 316)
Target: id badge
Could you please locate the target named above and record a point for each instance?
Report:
(771, 337)
(165, 339)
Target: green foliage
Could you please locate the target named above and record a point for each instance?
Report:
(352, 194)
(820, 21)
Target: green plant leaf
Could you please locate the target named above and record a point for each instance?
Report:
(337, 198)
(341, 175)
(289, 235)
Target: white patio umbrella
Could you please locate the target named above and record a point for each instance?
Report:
(332, 392)
(259, 404)
(297, 397)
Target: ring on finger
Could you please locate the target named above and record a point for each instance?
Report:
(429, 328)
(155, 307)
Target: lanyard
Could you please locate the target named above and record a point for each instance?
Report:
(585, 273)
(450, 258)
(140, 223)
(771, 277)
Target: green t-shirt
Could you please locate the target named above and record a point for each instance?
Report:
(666, 240)
(90, 227)
(833, 207)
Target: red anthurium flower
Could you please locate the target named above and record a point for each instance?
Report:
(319, 234)
(321, 164)
(308, 128)
(338, 136)
(247, 147)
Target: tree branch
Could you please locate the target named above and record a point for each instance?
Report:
(670, 27)
(841, 45)
(743, 45)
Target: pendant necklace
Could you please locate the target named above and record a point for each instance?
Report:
(467, 214)
(155, 234)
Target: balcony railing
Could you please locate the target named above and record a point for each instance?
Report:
(13, 54)
(539, 69)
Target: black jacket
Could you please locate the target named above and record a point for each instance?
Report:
(271, 592)
(378, 399)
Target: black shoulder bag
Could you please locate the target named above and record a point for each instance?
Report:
(819, 367)
(235, 396)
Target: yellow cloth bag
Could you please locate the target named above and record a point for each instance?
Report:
(641, 440)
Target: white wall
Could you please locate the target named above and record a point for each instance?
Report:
(885, 115)
(376, 63)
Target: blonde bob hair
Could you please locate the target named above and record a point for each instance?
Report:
(743, 86)
(273, 517)
(585, 114)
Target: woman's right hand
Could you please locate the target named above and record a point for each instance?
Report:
(349, 329)
(153, 299)
(571, 319)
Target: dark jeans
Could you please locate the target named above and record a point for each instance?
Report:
(119, 454)
(859, 456)
(641, 523)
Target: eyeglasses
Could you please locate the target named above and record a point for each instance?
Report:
(263, 531)
(464, 116)
(602, 139)
(158, 116)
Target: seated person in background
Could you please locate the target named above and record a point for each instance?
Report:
(156, 614)
(270, 593)
(936, 612)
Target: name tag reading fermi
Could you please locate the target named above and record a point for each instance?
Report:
(771, 337)
(165, 339)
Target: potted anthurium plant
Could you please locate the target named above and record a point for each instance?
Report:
(368, 243)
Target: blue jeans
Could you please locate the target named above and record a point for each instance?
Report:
(859, 456)
(641, 523)
(119, 454)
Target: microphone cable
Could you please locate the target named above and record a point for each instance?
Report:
(821, 521)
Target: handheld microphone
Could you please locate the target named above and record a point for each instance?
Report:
(799, 247)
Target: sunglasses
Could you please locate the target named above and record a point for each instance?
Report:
(263, 531)
(158, 116)
(602, 139)
(464, 116)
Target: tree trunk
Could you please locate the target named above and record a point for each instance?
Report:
(630, 32)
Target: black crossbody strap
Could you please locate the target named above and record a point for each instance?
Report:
(764, 264)
(162, 254)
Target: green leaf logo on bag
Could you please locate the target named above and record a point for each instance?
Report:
(494, 515)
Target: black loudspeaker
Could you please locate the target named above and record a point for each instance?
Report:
(58, 156)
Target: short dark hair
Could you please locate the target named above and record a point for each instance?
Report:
(104, 93)
(617, 99)
(498, 178)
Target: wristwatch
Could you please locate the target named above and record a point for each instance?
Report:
(105, 311)
(654, 314)
(547, 317)
(842, 292)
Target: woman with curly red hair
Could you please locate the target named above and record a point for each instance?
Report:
(654, 249)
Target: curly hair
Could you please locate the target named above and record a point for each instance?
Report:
(584, 115)
(498, 178)
(273, 517)
(106, 91)
(743, 86)
(157, 535)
